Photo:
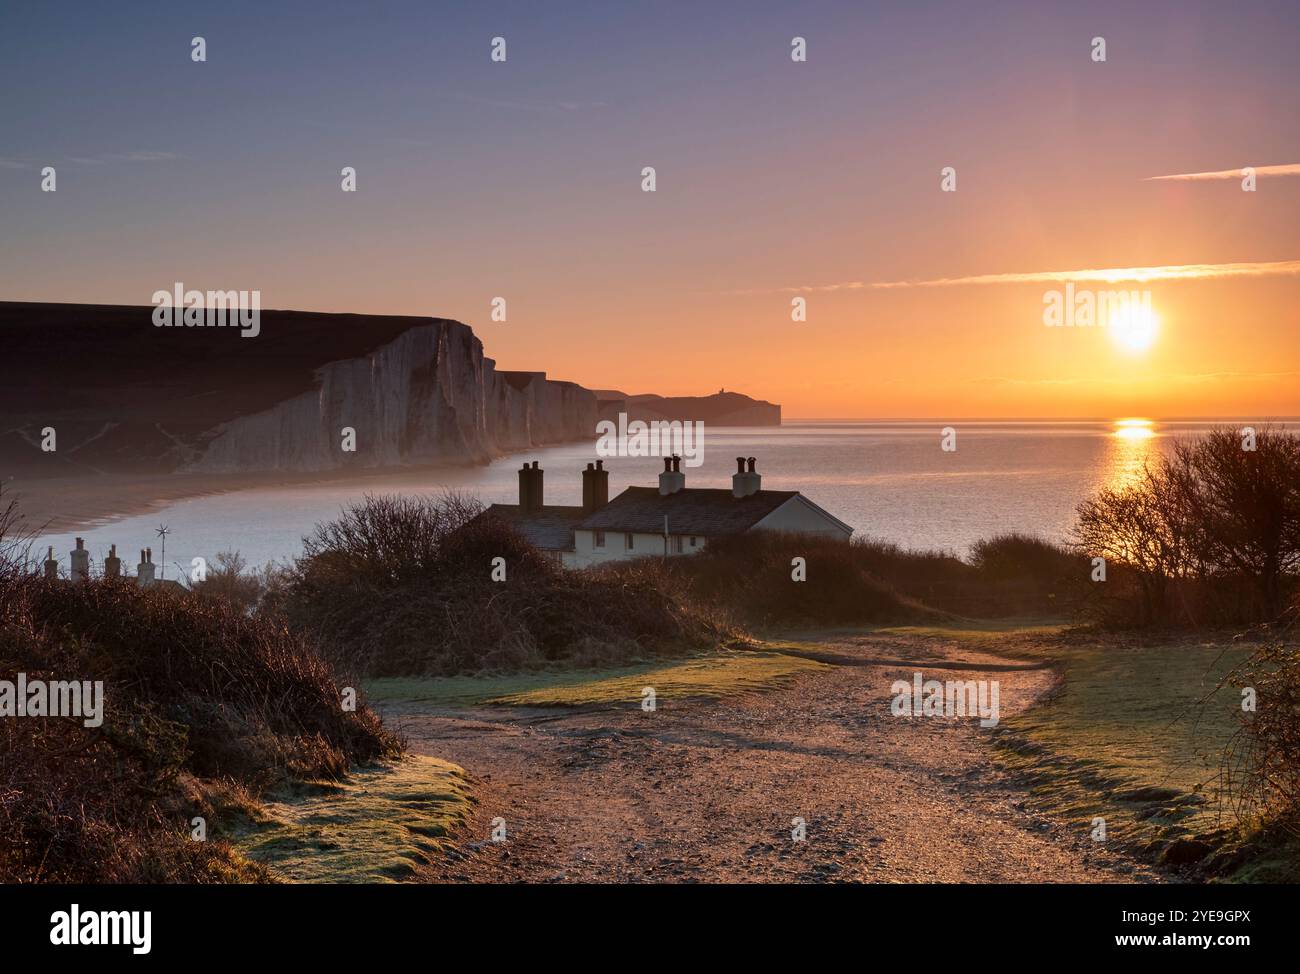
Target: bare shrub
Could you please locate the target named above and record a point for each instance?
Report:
(1262, 764)
(1209, 535)
(401, 586)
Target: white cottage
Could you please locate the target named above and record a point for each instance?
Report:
(670, 520)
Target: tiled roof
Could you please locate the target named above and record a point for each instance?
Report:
(550, 528)
(708, 512)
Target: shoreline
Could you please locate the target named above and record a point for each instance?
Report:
(66, 504)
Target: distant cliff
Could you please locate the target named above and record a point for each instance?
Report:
(719, 409)
(123, 396)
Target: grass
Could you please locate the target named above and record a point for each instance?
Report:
(989, 634)
(716, 675)
(1134, 735)
(378, 826)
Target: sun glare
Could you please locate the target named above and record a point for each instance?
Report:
(1134, 429)
(1134, 327)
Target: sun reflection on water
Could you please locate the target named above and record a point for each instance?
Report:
(1133, 444)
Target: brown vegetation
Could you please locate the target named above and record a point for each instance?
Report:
(1209, 535)
(404, 586)
(197, 695)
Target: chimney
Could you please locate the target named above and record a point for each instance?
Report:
(80, 562)
(112, 564)
(144, 570)
(595, 487)
(672, 479)
(51, 566)
(525, 488)
(745, 481)
(530, 487)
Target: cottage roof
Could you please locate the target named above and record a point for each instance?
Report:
(705, 511)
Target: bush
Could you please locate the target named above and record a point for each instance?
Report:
(403, 586)
(1263, 763)
(194, 689)
(1209, 535)
(227, 580)
(750, 577)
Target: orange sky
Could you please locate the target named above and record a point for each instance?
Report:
(523, 180)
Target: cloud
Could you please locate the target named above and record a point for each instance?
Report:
(142, 157)
(525, 106)
(13, 164)
(102, 158)
(1290, 169)
(1106, 275)
(1193, 378)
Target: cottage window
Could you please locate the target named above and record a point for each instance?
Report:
(600, 539)
(677, 544)
(627, 541)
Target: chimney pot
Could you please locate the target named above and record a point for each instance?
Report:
(530, 487)
(672, 479)
(79, 569)
(595, 487)
(745, 482)
(112, 564)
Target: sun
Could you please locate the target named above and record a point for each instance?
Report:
(1134, 327)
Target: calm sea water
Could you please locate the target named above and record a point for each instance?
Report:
(888, 480)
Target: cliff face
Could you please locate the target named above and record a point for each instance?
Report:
(428, 396)
(126, 397)
(719, 409)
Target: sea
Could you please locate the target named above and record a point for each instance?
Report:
(893, 481)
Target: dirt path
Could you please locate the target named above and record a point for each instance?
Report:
(706, 791)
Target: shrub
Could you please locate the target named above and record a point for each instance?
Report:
(1263, 762)
(193, 689)
(1208, 535)
(750, 576)
(402, 586)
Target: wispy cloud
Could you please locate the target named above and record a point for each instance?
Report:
(13, 164)
(1105, 275)
(141, 157)
(104, 157)
(1290, 169)
(526, 106)
(1196, 378)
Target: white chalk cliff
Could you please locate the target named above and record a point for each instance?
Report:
(428, 396)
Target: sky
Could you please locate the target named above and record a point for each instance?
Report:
(775, 179)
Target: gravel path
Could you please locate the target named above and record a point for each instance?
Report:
(706, 791)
